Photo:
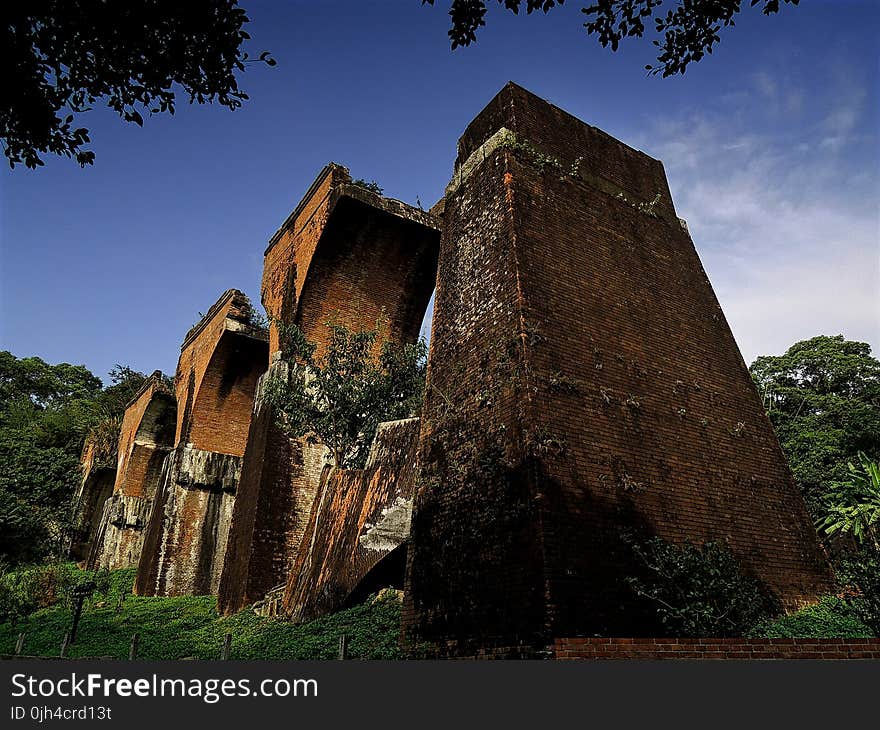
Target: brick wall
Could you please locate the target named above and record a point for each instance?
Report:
(583, 382)
(148, 425)
(594, 648)
(279, 480)
(221, 361)
(120, 540)
(188, 527)
(145, 439)
(351, 257)
(93, 491)
(359, 518)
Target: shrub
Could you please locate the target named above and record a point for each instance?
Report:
(831, 618)
(862, 573)
(698, 591)
(370, 185)
(26, 590)
(340, 396)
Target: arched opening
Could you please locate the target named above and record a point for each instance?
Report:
(142, 455)
(158, 422)
(428, 320)
(221, 414)
(97, 487)
(370, 267)
(389, 572)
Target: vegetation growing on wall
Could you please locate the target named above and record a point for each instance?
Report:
(370, 185)
(341, 396)
(698, 590)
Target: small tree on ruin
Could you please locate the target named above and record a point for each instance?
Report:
(340, 397)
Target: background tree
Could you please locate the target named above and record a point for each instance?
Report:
(823, 397)
(60, 57)
(687, 32)
(341, 397)
(46, 414)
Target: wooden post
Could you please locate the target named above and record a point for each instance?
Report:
(343, 647)
(119, 602)
(77, 611)
(19, 644)
(133, 647)
(64, 644)
(227, 646)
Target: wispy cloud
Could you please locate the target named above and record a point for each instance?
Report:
(785, 221)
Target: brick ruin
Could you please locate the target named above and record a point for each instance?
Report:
(93, 491)
(146, 437)
(583, 384)
(355, 541)
(221, 360)
(583, 387)
(346, 255)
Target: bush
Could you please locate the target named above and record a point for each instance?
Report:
(26, 590)
(831, 618)
(862, 573)
(698, 591)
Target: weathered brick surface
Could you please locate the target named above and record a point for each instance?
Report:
(584, 381)
(189, 524)
(93, 491)
(145, 439)
(148, 425)
(352, 257)
(583, 385)
(354, 543)
(344, 255)
(221, 360)
(121, 536)
(595, 648)
(279, 480)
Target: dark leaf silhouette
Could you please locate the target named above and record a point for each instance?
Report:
(65, 55)
(689, 31)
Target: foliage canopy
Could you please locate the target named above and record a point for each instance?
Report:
(60, 57)
(823, 397)
(686, 33)
(853, 506)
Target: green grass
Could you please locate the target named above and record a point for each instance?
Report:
(188, 626)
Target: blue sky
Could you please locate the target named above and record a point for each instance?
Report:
(770, 145)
